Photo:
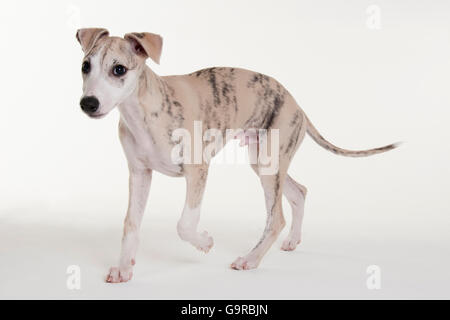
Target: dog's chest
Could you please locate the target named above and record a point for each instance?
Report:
(144, 150)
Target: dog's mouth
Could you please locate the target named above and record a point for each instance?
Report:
(97, 116)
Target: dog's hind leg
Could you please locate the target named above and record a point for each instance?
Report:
(295, 194)
(140, 181)
(272, 185)
(187, 225)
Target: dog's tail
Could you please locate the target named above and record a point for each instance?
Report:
(315, 135)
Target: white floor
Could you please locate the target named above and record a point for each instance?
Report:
(330, 263)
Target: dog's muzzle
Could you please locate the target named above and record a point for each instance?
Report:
(89, 104)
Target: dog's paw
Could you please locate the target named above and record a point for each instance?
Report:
(204, 242)
(244, 264)
(290, 244)
(116, 275)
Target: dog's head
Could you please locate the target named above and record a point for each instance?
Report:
(111, 67)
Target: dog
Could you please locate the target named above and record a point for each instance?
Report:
(151, 107)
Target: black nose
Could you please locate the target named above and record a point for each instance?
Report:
(89, 104)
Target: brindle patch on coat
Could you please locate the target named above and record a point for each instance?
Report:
(220, 106)
(172, 108)
(296, 123)
(270, 98)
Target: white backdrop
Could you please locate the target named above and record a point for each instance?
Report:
(63, 177)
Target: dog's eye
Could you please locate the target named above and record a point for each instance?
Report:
(86, 67)
(119, 70)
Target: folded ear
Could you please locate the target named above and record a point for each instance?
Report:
(89, 36)
(146, 44)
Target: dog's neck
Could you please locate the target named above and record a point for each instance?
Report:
(145, 99)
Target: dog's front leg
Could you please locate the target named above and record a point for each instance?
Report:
(187, 225)
(139, 188)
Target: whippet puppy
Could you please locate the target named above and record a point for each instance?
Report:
(151, 108)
